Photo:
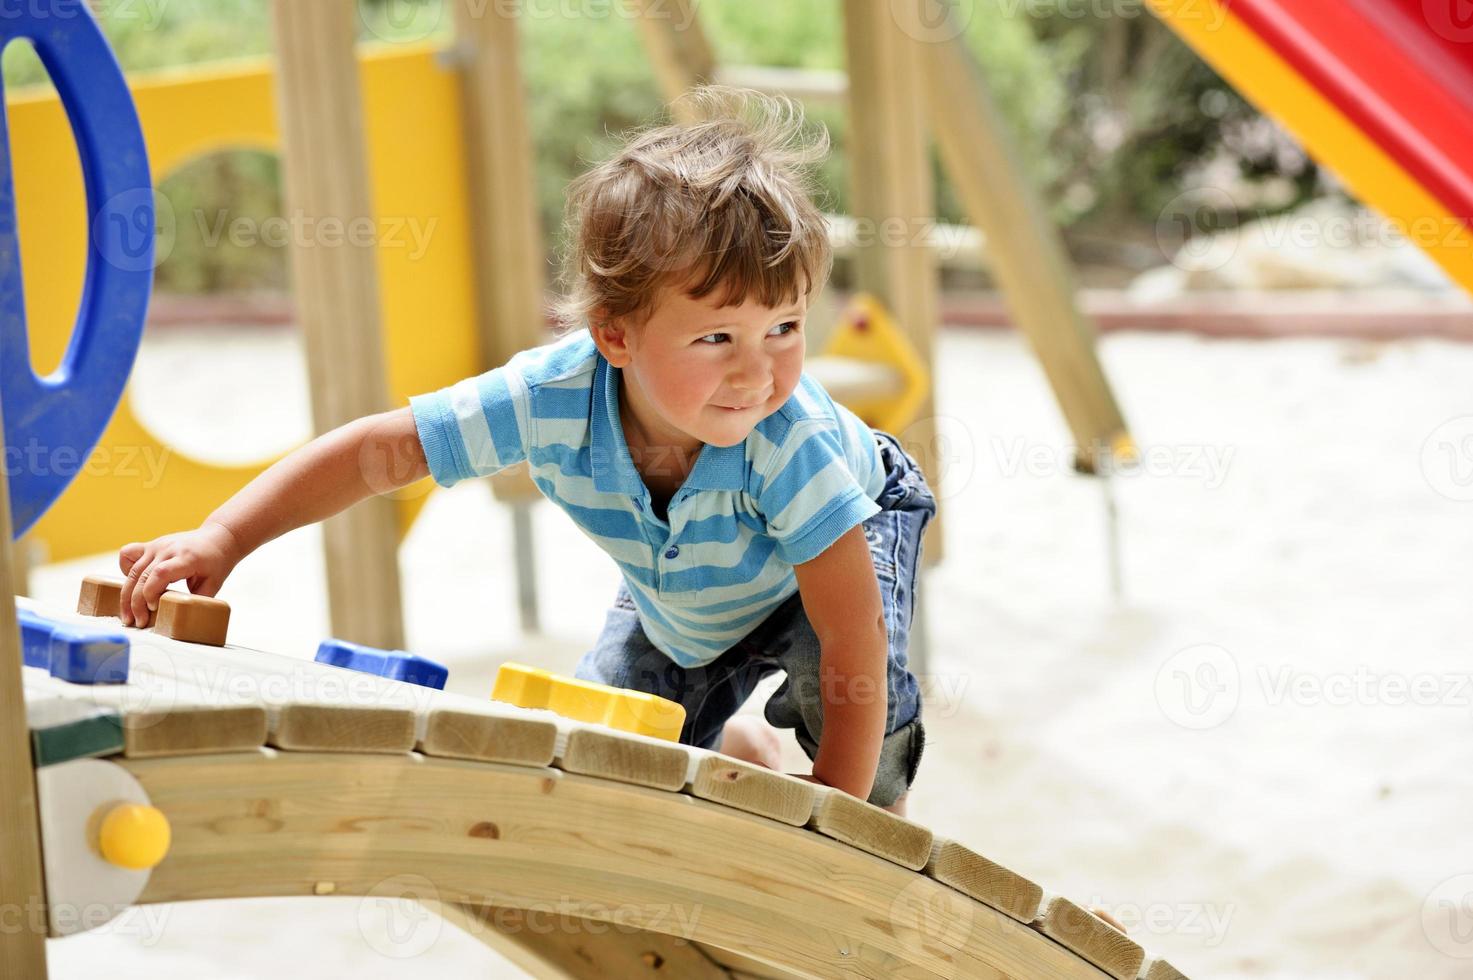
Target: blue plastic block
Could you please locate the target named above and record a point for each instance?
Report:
(88, 656)
(35, 638)
(396, 665)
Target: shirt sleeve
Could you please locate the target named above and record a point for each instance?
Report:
(809, 495)
(474, 427)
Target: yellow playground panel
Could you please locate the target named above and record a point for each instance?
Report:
(428, 299)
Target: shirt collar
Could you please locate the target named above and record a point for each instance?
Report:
(717, 467)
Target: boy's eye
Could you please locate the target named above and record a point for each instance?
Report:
(792, 325)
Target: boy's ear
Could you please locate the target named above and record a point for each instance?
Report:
(610, 336)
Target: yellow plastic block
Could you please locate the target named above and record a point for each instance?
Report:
(134, 836)
(580, 700)
(865, 332)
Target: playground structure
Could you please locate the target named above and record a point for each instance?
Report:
(135, 790)
(494, 808)
(480, 278)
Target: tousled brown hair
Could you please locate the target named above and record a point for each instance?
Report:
(724, 203)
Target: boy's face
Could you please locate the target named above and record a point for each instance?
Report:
(698, 373)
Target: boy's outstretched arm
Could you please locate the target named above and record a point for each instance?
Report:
(372, 455)
(841, 596)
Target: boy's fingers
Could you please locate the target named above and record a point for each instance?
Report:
(135, 569)
(134, 599)
(128, 555)
(160, 575)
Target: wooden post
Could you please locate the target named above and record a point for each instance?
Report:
(511, 268)
(1023, 250)
(678, 49)
(325, 176)
(893, 199)
(22, 888)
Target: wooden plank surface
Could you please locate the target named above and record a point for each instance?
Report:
(879, 832)
(1092, 938)
(271, 823)
(989, 883)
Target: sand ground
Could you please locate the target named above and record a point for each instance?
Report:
(1259, 755)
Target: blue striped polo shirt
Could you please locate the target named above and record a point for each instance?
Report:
(723, 559)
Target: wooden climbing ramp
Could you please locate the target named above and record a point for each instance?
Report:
(282, 777)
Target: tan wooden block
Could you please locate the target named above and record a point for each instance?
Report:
(101, 595)
(1162, 970)
(970, 873)
(1092, 938)
(193, 729)
(343, 728)
(192, 618)
(859, 824)
(744, 786)
(627, 758)
(457, 734)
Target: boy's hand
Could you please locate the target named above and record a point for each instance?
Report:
(201, 558)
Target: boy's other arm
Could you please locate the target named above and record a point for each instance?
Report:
(368, 456)
(841, 596)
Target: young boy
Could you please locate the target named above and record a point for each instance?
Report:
(758, 525)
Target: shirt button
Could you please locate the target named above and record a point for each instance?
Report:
(672, 552)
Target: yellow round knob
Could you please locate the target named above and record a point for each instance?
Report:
(134, 836)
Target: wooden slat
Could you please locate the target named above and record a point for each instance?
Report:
(570, 947)
(1024, 251)
(1092, 938)
(890, 188)
(879, 832)
(989, 883)
(628, 758)
(746, 967)
(324, 177)
(1158, 969)
(22, 892)
(456, 733)
(753, 789)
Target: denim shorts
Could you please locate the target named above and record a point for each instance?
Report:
(624, 657)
